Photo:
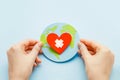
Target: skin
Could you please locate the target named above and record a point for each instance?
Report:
(23, 56)
(98, 59)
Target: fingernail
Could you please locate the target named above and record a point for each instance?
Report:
(39, 61)
(40, 44)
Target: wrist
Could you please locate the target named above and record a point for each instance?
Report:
(17, 77)
(97, 76)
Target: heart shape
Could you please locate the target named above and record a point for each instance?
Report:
(59, 44)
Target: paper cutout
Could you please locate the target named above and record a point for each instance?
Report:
(69, 52)
(59, 44)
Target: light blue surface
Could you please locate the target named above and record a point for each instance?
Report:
(94, 19)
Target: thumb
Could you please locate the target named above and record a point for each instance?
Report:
(83, 51)
(36, 49)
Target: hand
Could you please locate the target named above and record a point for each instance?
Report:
(22, 57)
(98, 59)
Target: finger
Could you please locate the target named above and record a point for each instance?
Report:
(90, 48)
(79, 52)
(27, 43)
(38, 60)
(35, 65)
(83, 50)
(41, 51)
(91, 44)
(92, 53)
(36, 49)
(29, 48)
(27, 52)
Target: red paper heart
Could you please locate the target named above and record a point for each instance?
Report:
(59, 44)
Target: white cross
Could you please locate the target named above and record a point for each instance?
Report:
(59, 43)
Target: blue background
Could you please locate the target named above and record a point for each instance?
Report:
(98, 20)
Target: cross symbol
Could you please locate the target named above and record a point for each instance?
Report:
(59, 43)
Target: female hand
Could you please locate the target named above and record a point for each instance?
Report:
(98, 59)
(22, 57)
